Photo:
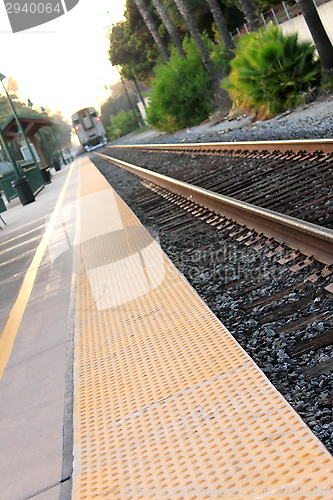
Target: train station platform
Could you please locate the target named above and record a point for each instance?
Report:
(118, 381)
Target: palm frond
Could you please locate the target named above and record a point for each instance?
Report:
(271, 72)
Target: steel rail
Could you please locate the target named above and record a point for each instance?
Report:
(307, 145)
(308, 238)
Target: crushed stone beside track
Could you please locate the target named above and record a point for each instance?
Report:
(307, 121)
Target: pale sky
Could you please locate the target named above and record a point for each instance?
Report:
(63, 64)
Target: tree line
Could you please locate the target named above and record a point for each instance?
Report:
(160, 39)
(153, 28)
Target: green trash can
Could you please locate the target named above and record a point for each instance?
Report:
(46, 174)
(56, 164)
(23, 190)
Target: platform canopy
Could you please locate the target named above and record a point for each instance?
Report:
(31, 124)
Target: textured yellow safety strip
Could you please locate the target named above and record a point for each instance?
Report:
(14, 319)
(167, 404)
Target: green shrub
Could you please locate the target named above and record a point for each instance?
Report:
(271, 72)
(182, 94)
(121, 124)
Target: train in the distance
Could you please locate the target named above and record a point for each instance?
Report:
(89, 128)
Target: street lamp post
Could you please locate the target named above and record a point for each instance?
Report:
(21, 184)
(19, 125)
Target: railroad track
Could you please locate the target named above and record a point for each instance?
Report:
(275, 299)
(307, 145)
(297, 182)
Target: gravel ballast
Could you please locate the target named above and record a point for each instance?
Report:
(308, 121)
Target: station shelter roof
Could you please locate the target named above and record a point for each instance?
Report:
(30, 123)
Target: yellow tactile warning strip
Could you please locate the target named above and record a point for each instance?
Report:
(167, 404)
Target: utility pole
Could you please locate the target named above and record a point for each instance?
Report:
(130, 102)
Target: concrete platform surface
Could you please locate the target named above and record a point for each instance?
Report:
(35, 286)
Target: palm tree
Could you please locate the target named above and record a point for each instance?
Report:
(169, 26)
(151, 25)
(222, 99)
(250, 15)
(221, 27)
(184, 10)
(319, 35)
